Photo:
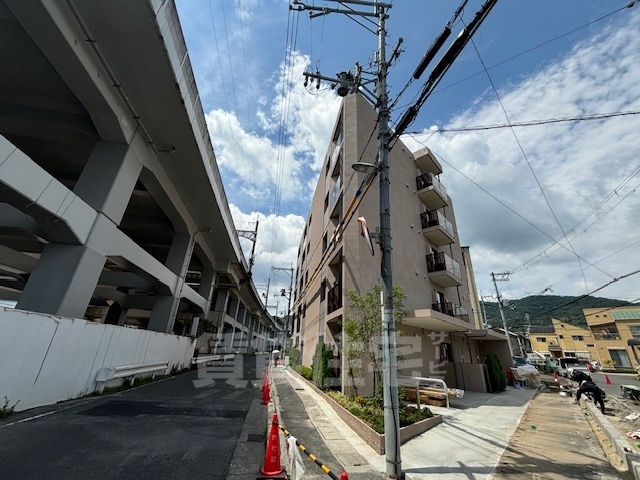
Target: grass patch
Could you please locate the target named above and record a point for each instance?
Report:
(6, 410)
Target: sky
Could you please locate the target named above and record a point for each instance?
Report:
(554, 204)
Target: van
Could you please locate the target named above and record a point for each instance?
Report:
(569, 364)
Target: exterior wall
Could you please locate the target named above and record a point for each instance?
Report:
(46, 359)
(584, 348)
(348, 263)
(612, 329)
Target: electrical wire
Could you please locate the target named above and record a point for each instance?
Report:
(531, 49)
(526, 158)
(595, 116)
(496, 198)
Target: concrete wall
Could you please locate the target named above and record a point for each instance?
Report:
(45, 359)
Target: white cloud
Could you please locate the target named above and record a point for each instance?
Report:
(255, 164)
(276, 246)
(578, 164)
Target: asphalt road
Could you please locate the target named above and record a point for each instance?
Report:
(185, 427)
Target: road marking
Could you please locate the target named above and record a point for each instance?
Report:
(29, 419)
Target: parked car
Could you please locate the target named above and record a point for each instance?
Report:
(568, 364)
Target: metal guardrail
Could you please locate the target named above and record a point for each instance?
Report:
(212, 358)
(108, 373)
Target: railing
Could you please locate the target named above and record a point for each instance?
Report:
(433, 218)
(451, 309)
(212, 358)
(334, 298)
(441, 386)
(429, 180)
(438, 262)
(607, 336)
(109, 373)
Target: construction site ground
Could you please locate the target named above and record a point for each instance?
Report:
(559, 439)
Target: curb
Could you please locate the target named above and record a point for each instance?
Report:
(629, 460)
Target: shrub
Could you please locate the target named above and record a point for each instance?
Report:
(320, 364)
(295, 357)
(371, 411)
(497, 378)
(306, 372)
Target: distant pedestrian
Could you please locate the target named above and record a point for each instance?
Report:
(592, 390)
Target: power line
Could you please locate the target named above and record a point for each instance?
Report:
(526, 158)
(596, 116)
(500, 201)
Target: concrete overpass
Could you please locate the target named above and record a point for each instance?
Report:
(112, 208)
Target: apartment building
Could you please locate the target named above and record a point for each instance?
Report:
(443, 334)
(617, 335)
(561, 339)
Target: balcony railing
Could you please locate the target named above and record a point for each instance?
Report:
(445, 270)
(437, 228)
(431, 191)
(607, 336)
(334, 298)
(451, 309)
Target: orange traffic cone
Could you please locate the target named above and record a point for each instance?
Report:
(606, 380)
(271, 467)
(266, 397)
(555, 377)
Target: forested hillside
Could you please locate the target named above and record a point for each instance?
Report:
(541, 308)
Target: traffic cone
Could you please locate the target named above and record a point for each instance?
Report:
(271, 467)
(606, 380)
(266, 397)
(344, 476)
(555, 377)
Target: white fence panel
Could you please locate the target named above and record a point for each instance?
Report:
(46, 359)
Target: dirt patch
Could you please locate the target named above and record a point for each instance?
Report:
(555, 441)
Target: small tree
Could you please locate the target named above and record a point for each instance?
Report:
(497, 378)
(364, 330)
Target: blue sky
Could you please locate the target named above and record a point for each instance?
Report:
(513, 194)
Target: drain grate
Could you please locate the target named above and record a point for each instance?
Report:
(255, 437)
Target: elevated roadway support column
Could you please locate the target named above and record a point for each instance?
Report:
(165, 308)
(66, 275)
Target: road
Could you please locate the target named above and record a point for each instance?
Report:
(184, 427)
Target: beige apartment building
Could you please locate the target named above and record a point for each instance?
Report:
(617, 335)
(443, 335)
(561, 339)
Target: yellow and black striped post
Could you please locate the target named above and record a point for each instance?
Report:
(324, 468)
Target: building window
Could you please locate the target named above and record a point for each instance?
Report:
(577, 338)
(634, 330)
(541, 339)
(621, 357)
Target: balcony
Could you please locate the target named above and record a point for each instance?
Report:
(451, 309)
(335, 194)
(431, 191)
(443, 270)
(334, 298)
(437, 228)
(427, 162)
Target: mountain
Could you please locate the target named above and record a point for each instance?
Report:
(541, 308)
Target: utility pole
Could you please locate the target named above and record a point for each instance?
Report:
(286, 319)
(503, 277)
(351, 83)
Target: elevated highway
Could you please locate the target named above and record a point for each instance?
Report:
(112, 208)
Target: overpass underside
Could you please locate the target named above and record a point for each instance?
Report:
(111, 204)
